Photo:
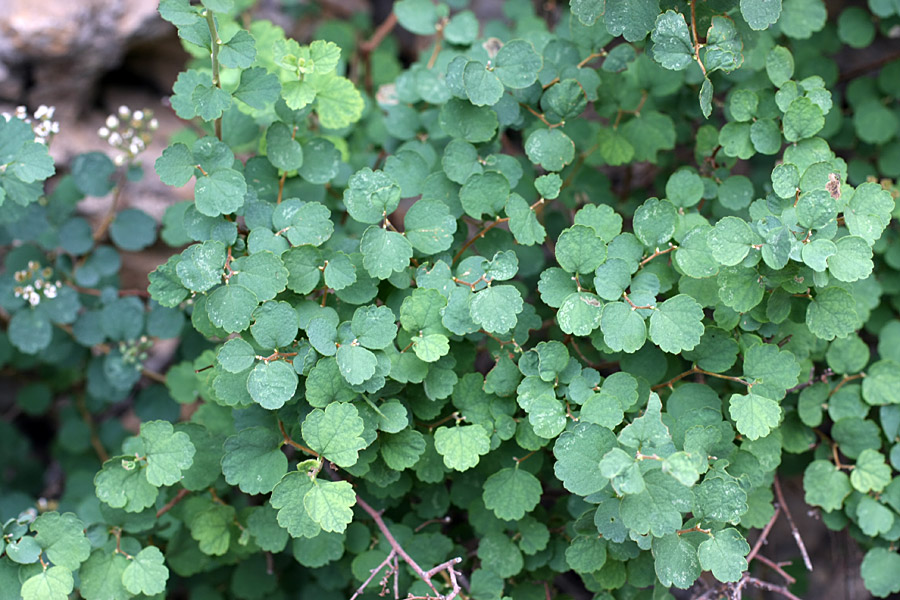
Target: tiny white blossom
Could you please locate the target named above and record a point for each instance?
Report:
(124, 111)
(103, 132)
(115, 139)
(138, 115)
(112, 122)
(50, 291)
(34, 299)
(153, 125)
(119, 160)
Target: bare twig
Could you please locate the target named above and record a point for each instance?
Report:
(775, 568)
(171, 503)
(397, 549)
(771, 587)
(794, 532)
(88, 419)
(763, 535)
(372, 575)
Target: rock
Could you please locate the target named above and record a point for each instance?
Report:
(53, 51)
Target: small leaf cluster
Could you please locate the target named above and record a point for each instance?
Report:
(562, 295)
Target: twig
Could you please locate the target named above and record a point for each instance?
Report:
(478, 236)
(372, 575)
(657, 253)
(438, 43)
(775, 568)
(292, 443)
(110, 216)
(764, 534)
(101, 452)
(398, 549)
(698, 370)
(214, 59)
(781, 502)
(771, 587)
(696, 39)
(380, 33)
(171, 503)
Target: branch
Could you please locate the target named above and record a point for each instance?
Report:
(781, 502)
(763, 535)
(101, 452)
(214, 59)
(171, 503)
(696, 39)
(399, 551)
(373, 572)
(292, 443)
(771, 587)
(697, 370)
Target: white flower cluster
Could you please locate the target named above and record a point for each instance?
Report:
(41, 122)
(129, 131)
(135, 351)
(36, 283)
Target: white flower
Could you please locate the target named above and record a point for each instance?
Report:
(124, 111)
(42, 112)
(103, 132)
(50, 291)
(138, 115)
(34, 299)
(115, 139)
(119, 160)
(112, 122)
(153, 125)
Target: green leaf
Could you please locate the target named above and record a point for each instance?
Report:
(288, 497)
(329, 504)
(462, 445)
(677, 324)
(723, 46)
(580, 250)
(495, 309)
(675, 561)
(212, 529)
(672, 47)
(881, 572)
(303, 222)
(221, 192)
(30, 331)
(384, 252)
(231, 306)
(168, 452)
(731, 240)
(511, 493)
(586, 554)
(429, 226)
(802, 119)
(356, 363)
(146, 573)
(684, 188)
(55, 583)
(874, 518)
(779, 64)
(632, 19)
(257, 88)
(825, 485)
(338, 103)
(282, 149)
(760, 14)
(201, 266)
(483, 88)
(614, 147)
(658, 509)
(253, 460)
(101, 576)
(210, 101)
(576, 453)
(122, 483)
(335, 433)
(706, 97)
(587, 11)
(416, 16)
(654, 222)
(550, 148)
(723, 554)
(766, 363)
(523, 222)
(870, 472)
(238, 52)
(831, 314)
(62, 538)
(462, 120)
(484, 193)
(176, 165)
(869, 211)
(852, 259)
(517, 64)
(579, 313)
(754, 415)
(624, 329)
(272, 384)
(430, 348)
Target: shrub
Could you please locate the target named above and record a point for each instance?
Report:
(560, 296)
